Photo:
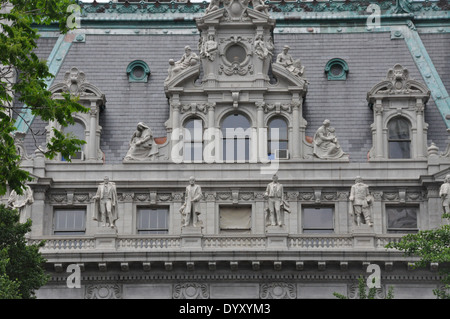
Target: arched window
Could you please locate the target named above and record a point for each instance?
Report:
(277, 139)
(76, 130)
(193, 140)
(236, 138)
(399, 138)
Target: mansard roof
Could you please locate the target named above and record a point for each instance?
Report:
(115, 34)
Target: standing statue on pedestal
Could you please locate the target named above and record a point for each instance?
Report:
(191, 207)
(106, 204)
(360, 203)
(444, 193)
(142, 146)
(20, 202)
(276, 203)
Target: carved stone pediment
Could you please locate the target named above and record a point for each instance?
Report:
(282, 74)
(75, 83)
(398, 82)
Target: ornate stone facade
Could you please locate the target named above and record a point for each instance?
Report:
(236, 75)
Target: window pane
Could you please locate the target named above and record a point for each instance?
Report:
(69, 221)
(399, 149)
(398, 129)
(236, 53)
(318, 219)
(402, 218)
(153, 221)
(236, 138)
(193, 130)
(76, 129)
(278, 129)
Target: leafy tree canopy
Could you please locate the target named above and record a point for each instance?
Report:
(22, 79)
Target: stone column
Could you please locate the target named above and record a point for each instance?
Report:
(378, 110)
(37, 210)
(419, 117)
(297, 144)
(262, 133)
(92, 150)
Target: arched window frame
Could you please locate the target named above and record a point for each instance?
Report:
(407, 140)
(246, 138)
(80, 154)
(283, 140)
(193, 143)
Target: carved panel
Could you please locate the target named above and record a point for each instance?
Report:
(279, 290)
(190, 291)
(103, 291)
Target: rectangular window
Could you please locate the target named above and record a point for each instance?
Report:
(153, 220)
(69, 221)
(235, 219)
(318, 219)
(402, 219)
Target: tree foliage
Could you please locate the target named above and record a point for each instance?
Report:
(22, 78)
(431, 246)
(364, 294)
(21, 264)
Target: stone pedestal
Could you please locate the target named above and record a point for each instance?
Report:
(277, 237)
(363, 236)
(106, 238)
(191, 237)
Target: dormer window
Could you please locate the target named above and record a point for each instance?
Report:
(336, 70)
(138, 71)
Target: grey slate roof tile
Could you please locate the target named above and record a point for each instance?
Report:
(104, 59)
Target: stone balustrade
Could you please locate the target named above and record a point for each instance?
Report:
(137, 243)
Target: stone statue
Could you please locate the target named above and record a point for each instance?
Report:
(444, 193)
(276, 203)
(261, 48)
(105, 210)
(213, 6)
(260, 6)
(188, 59)
(361, 203)
(210, 48)
(190, 210)
(20, 202)
(325, 142)
(142, 144)
(286, 60)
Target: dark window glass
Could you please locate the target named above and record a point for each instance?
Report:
(402, 219)
(399, 138)
(278, 136)
(70, 221)
(236, 138)
(193, 140)
(153, 221)
(236, 53)
(318, 220)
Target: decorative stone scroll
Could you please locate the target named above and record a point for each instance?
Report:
(21, 202)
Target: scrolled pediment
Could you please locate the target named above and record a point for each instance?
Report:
(398, 83)
(76, 85)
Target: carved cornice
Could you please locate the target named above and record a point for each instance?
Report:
(273, 7)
